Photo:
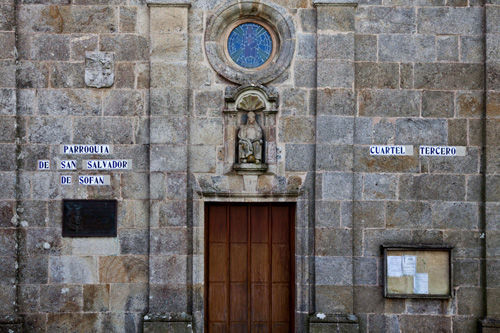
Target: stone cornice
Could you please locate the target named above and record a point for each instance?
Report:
(353, 3)
(168, 3)
(168, 317)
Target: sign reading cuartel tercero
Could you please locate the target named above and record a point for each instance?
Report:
(391, 150)
(441, 151)
(99, 69)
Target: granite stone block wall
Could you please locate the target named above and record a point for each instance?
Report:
(491, 182)
(367, 72)
(9, 233)
(414, 73)
(81, 284)
(335, 123)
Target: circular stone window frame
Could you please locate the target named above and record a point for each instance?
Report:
(270, 30)
(272, 17)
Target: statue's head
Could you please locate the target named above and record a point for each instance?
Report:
(251, 117)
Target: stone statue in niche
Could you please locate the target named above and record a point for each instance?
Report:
(250, 135)
(99, 69)
(250, 141)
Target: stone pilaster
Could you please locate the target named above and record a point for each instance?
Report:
(8, 177)
(335, 128)
(169, 245)
(492, 150)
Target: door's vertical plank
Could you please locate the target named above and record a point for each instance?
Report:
(207, 268)
(249, 268)
(260, 267)
(281, 258)
(291, 242)
(238, 229)
(217, 253)
(238, 276)
(270, 261)
(217, 223)
(259, 223)
(217, 309)
(228, 269)
(281, 226)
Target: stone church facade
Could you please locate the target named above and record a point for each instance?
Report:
(254, 192)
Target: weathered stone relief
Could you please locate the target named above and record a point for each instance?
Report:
(99, 69)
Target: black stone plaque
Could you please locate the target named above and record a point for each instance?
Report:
(89, 218)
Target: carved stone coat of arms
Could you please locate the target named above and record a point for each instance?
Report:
(99, 69)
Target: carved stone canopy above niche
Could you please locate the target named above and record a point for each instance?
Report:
(250, 130)
(251, 102)
(234, 97)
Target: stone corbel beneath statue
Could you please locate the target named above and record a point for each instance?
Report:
(250, 130)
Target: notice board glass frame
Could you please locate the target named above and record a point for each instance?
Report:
(89, 218)
(433, 270)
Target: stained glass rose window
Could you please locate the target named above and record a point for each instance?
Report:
(250, 45)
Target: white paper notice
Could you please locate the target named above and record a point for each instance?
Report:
(394, 266)
(409, 265)
(421, 283)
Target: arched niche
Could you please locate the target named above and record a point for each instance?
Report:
(239, 101)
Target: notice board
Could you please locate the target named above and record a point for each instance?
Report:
(417, 271)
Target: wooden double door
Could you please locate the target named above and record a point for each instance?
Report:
(249, 267)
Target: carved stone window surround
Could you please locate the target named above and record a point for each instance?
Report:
(234, 12)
